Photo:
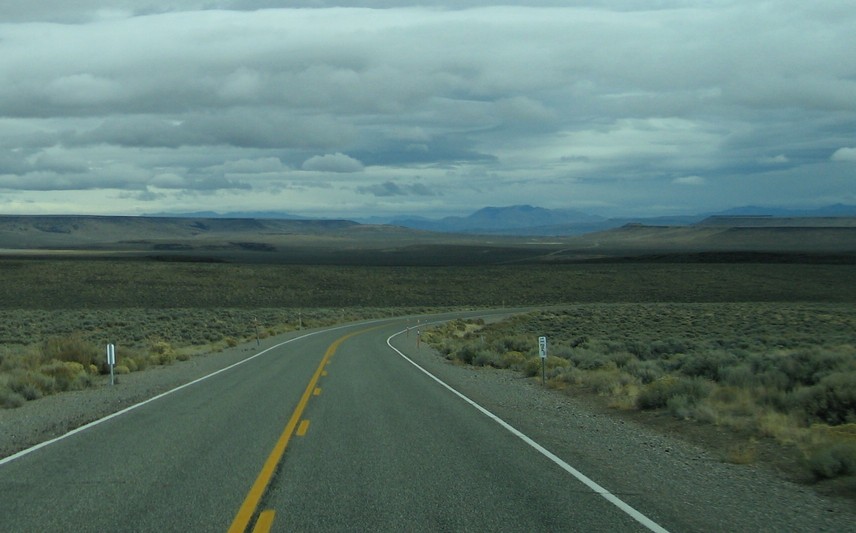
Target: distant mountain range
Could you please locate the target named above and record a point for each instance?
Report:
(538, 221)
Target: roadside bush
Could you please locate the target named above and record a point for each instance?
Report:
(31, 385)
(590, 360)
(71, 348)
(739, 375)
(513, 360)
(607, 382)
(532, 366)
(657, 394)
(806, 366)
(516, 343)
(644, 371)
(466, 353)
(10, 399)
(161, 352)
(833, 400)
(709, 365)
(484, 357)
(67, 375)
(832, 460)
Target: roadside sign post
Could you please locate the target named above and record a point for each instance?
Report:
(111, 361)
(542, 351)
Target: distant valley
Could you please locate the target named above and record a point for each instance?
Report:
(515, 234)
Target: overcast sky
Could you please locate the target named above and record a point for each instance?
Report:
(346, 109)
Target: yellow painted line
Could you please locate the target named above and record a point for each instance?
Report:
(317, 391)
(265, 522)
(303, 428)
(251, 502)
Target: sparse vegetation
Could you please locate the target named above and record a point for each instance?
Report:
(780, 370)
(46, 352)
(744, 346)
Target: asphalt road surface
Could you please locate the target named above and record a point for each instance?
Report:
(331, 431)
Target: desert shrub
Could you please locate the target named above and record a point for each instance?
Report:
(231, 342)
(739, 375)
(532, 366)
(161, 352)
(67, 375)
(667, 347)
(121, 369)
(31, 385)
(513, 360)
(641, 349)
(806, 366)
(70, 348)
(833, 400)
(562, 350)
(569, 375)
(136, 360)
(515, 343)
(657, 394)
(444, 347)
(10, 399)
(590, 360)
(645, 371)
(607, 382)
(466, 353)
(709, 365)
(484, 357)
(832, 460)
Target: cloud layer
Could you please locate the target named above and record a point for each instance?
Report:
(389, 107)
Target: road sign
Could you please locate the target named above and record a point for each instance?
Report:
(542, 347)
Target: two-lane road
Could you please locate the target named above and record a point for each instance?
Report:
(387, 448)
(360, 440)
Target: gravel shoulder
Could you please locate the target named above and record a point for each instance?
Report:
(641, 461)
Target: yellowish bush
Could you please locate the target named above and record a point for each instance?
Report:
(513, 359)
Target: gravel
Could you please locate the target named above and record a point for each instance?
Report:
(646, 468)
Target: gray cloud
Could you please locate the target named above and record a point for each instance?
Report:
(560, 103)
(844, 154)
(337, 162)
(390, 188)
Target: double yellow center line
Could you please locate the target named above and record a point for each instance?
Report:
(251, 502)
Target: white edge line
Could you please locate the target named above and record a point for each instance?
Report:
(94, 423)
(633, 513)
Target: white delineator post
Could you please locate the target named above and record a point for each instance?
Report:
(542, 351)
(111, 360)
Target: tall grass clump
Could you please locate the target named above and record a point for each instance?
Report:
(70, 348)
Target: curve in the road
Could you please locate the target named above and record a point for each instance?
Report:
(595, 487)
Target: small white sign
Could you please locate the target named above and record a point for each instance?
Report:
(111, 354)
(542, 347)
